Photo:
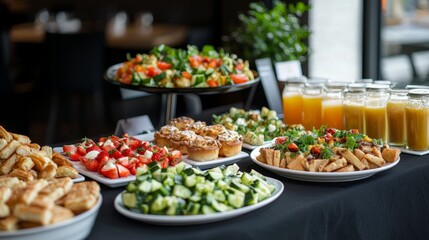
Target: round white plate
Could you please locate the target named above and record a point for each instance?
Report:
(197, 219)
(78, 227)
(320, 176)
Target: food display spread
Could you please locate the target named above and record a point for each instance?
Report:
(190, 191)
(327, 150)
(167, 67)
(256, 127)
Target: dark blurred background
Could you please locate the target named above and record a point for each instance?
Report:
(52, 86)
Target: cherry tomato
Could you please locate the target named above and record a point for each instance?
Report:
(331, 131)
(152, 71)
(163, 65)
(292, 147)
(315, 150)
(239, 78)
(187, 75)
(280, 140)
(212, 83)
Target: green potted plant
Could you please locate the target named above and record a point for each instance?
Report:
(275, 33)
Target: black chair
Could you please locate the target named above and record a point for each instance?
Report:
(75, 72)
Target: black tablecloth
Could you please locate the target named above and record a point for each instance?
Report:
(393, 204)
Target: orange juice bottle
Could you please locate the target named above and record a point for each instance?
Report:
(395, 110)
(292, 101)
(312, 106)
(417, 119)
(353, 107)
(332, 105)
(375, 111)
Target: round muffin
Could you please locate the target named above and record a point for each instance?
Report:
(182, 123)
(231, 143)
(213, 130)
(163, 136)
(181, 139)
(197, 127)
(203, 148)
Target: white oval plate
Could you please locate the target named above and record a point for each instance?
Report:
(197, 219)
(320, 176)
(78, 227)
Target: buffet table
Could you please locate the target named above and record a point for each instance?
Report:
(389, 205)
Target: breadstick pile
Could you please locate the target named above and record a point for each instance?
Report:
(27, 161)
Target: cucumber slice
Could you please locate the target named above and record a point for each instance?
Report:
(219, 207)
(190, 181)
(221, 184)
(195, 198)
(215, 175)
(155, 185)
(180, 166)
(200, 179)
(188, 172)
(178, 179)
(168, 182)
(219, 195)
(144, 208)
(251, 198)
(131, 187)
(181, 191)
(145, 186)
(144, 177)
(157, 175)
(207, 209)
(236, 200)
(241, 187)
(129, 200)
(142, 170)
(247, 179)
(158, 205)
(199, 187)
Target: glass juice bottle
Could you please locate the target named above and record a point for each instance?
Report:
(375, 111)
(312, 105)
(332, 105)
(395, 110)
(353, 107)
(292, 101)
(417, 119)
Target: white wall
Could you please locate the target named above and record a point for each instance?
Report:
(336, 39)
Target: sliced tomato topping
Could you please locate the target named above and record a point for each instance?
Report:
(163, 65)
(239, 78)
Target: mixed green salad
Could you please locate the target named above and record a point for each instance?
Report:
(168, 67)
(256, 127)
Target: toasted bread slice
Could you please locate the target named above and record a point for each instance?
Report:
(66, 171)
(316, 164)
(4, 210)
(9, 182)
(276, 158)
(21, 138)
(269, 156)
(8, 165)
(22, 175)
(5, 194)
(25, 163)
(48, 151)
(10, 148)
(297, 163)
(10, 223)
(23, 150)
(348, 168)
(352, 158)
(34, 214)
(3, 143)
(376, 160)
(48, 172)
(5, 134)
(358, 153)
(40, 162)
(390, 154)
(60, 160)
(32, 189)
(60, 214)
(335, 165)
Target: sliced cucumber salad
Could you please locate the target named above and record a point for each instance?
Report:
(179, 191)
